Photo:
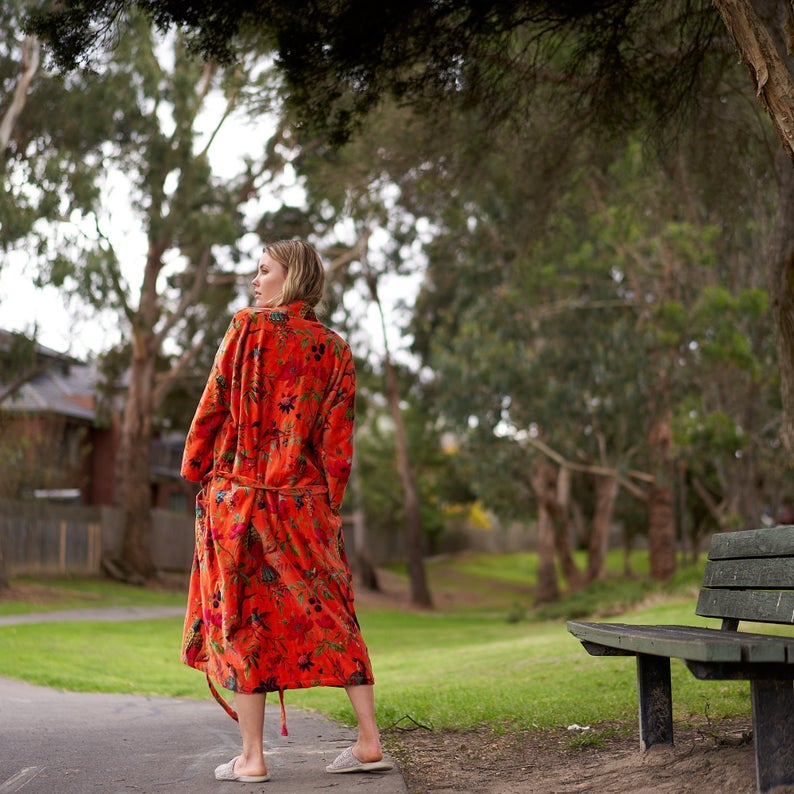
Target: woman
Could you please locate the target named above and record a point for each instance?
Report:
(270, 605)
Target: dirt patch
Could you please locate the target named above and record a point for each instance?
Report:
(711, 759)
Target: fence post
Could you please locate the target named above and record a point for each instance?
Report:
(3, 572)
(94, 547)
(62, 548)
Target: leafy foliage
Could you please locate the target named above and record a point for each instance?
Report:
(628, 57)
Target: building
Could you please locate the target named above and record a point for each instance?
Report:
(59, 436)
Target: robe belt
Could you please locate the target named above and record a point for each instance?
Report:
(249, 482)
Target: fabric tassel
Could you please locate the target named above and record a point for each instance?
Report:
(284, 731)
(223, 702)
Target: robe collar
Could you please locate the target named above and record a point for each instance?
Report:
(295, 309)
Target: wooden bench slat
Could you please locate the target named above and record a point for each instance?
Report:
(770, 542)
(687, 642)
(777, 573)
(654, 640)
(763, 606)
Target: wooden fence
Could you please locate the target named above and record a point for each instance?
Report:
(41, 538)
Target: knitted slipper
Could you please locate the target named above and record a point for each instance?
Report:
(347, 762)
(226, 772)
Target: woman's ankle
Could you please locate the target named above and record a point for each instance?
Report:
(367, 751)
(251, 764)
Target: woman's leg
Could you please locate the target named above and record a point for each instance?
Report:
(251, 714)
(367, 748)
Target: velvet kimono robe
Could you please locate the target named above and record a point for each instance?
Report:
(270, 604)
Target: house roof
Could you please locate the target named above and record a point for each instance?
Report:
(62, 385)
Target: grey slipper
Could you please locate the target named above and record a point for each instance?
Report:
(226, 772)
(347, 762)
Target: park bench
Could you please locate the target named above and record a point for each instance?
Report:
(749, 576)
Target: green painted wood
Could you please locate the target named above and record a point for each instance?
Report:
(764, 572)
(596, 649)
(655, 695)
(764, 606)
(740, 671)
(768, 542)
(773, 718)
(657, 641)
(687, 642)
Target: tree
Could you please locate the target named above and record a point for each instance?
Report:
(625, 61)
(348, 201)
(46, 164)
(196, 219)
(420, 592)
(146, 111)
(596, 334)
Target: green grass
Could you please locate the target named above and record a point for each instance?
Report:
(58, 593)
(457, 672)
(449, 669)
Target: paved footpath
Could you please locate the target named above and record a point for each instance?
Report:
(58, 742)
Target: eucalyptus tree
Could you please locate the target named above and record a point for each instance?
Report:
(352, 200)
(193, 219)
(599, 343)
(48, 165)
(152, 113)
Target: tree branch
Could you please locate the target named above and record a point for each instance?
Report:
(189, 297)
(770, 74)
(29, 64)
(352, 253)
(230, 103)
(24, 378)
(115, 275)
(601, 471)
(164, 380)
(708, 500)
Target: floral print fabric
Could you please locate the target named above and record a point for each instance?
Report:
(270, 604)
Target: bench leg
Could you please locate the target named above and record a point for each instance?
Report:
(656, 700)
(773, 733)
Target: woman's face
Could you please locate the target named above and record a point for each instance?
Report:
(269, 280)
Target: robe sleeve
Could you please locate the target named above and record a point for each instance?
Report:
(213, 407)
(335, 444)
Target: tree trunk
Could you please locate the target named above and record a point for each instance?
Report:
(363, 562)
(548, 588)
(780, 287)
(29, 65)
(760, 31)
(661, 512)
(562, 535)
(420, 593)
(661, 532)
(544, 483)
(606, 492)
(135, 496)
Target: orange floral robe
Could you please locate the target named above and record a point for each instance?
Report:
(270, 604)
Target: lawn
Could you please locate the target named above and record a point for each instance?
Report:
(50, 595)
(450, 669)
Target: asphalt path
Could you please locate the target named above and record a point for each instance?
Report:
(57, 742)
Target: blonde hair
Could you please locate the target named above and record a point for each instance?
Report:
(305, 275)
